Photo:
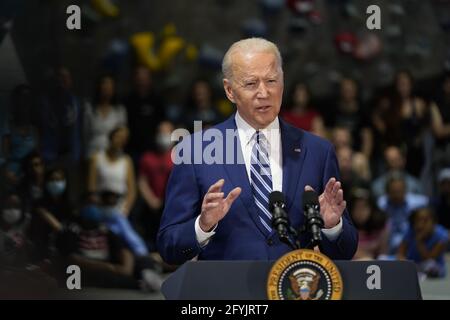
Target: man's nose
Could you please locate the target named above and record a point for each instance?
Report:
(262, 91)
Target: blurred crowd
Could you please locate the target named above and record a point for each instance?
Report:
(83, 178)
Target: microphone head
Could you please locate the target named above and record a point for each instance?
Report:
(310, 197)
(275, 197)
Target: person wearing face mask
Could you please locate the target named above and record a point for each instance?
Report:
(112, 170)
(51, 212)
(13, 223)
(121, 252)
(154, 171)
(33, 185)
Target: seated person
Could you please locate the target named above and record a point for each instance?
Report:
(117, 222)
(395, 161)
(425, 243)
(49, 213)
(371, 224)
(103, 258)
(398, 205)
(441, 202)
(14, 244)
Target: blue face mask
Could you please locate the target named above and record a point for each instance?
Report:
(56, 188)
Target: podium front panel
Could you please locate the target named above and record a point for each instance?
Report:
(247, 280)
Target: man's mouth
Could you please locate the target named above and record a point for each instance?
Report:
(262, 108)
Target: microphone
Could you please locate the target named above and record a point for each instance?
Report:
(280, 220)
(314, 221)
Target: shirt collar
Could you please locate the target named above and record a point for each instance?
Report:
(269, 132)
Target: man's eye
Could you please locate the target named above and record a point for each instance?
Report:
(272, 80)
(250, 84)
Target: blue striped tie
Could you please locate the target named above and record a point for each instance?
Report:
(261, 179)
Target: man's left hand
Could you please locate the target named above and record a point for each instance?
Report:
(332, 203)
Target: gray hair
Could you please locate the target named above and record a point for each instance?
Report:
(248, 45)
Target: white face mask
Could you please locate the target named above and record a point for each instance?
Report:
(12, 215)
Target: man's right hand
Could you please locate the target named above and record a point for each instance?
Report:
(215, 206)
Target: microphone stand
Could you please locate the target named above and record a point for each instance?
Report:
(287, 238)
(313, 242)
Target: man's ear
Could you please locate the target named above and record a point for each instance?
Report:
(228, 90)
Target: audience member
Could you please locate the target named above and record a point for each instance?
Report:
(425, 243)
(301, 114)
(112, 170)
(398, 205)
(395, 162)
(102, 116)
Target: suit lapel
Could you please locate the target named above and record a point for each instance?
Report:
(294, 154)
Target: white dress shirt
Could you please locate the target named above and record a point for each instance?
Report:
(273, 137)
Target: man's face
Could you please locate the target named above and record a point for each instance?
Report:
(360, 211)
(348, 89)
(423, 222)
(394, 158)
(344, 156)
(201, 93)
(256, 87)
(341, 138)
(397, 191)
(142, 79)
(37, 166)
(404, 84)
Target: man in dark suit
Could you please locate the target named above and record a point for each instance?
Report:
(217, 195)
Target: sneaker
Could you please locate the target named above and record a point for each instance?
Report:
(151, 280)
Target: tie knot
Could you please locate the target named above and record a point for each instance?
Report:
(261, 145)
(260, 137)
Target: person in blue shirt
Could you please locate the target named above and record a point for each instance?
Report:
(398, 205)
(395, 161)
(20, 136)
(105, 212)
(105, 209)
(425, 243)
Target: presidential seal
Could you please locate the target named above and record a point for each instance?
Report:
(304, 275)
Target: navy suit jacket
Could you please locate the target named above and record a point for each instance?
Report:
(306, 160)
